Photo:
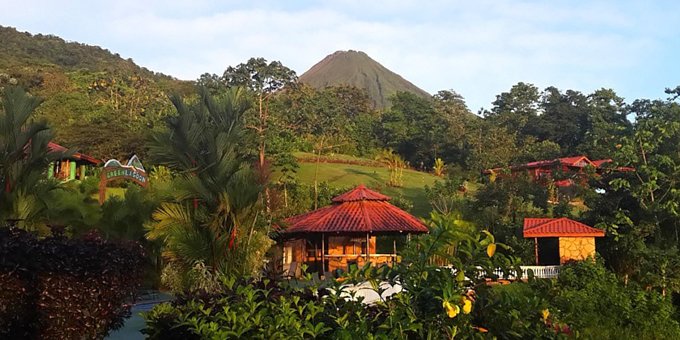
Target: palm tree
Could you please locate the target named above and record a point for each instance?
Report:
(211, 218)
(24, 157)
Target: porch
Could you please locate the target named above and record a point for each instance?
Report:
(325, 253)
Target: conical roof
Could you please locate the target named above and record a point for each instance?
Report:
(360, 210)
(360, 193)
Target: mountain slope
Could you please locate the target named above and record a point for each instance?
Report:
(356, 68)
(23, 48)
(95, 101)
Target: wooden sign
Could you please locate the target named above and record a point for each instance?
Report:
(114, 170)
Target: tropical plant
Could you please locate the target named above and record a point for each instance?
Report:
(211, 218)
(439, 167)
(435, 302)
(596, 304)
(24, 156)
(395, 164)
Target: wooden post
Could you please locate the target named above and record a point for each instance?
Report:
(368, 247)
(102, 187)
(323, 255)
(316, 254)
(394, 250)
(536, 249)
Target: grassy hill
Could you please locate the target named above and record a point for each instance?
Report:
(355, 68)
(346, 174)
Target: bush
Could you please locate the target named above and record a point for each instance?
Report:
(596, 304)
(60, 288)
(434, 303)
(514, 311)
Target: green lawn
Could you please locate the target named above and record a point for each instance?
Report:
(112, 192)
(334, 156)
(347, 175)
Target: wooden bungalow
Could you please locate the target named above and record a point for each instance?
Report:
(345, 233)
(563, 172)
(558, 240)
(73, 166)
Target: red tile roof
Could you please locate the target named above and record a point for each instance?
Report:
(574, 161)
(577, 161)
(358, 211)
(54, 147)
(598, 163)
(558, 227)
(360, 193)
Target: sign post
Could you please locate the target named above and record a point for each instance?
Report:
(113, 170)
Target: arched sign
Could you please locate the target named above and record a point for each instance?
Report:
(113, 170)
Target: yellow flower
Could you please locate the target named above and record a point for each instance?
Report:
(491, 249)
(467, 305)
(545, 314)
(451, 310)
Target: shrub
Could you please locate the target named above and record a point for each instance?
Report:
(60, 288)
(515, 311)
(596, 304)
(434, 303)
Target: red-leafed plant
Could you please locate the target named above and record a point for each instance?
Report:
(61, 288)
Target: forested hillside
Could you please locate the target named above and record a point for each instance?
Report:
(96, 101)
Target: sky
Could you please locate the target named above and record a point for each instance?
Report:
(476, 48)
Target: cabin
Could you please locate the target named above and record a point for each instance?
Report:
(559, 240)
(346, 233)
(563, 172)
(73, 166)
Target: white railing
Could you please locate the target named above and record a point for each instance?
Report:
(541, 272)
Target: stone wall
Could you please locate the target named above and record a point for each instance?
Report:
(576, 248)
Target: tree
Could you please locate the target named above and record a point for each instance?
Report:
(263, 79)
(490, 146)
(639, 209)
(564, 119)
(212, 219)
(24, 156)
(607, 122)
(516, 108)
(413, 128)
(451, 106)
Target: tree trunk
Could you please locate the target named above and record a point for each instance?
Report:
(285, 195)
(316, 176)
(261, 131)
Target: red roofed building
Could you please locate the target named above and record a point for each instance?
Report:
(548, 168)
(558, 240)
(73, 166)
(560, 173)
(345, 233)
